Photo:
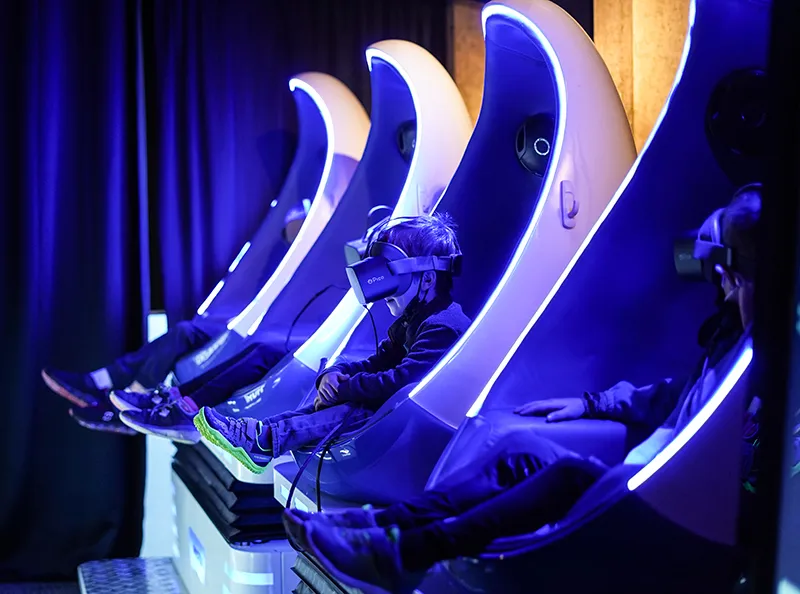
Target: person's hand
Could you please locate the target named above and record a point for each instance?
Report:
(556, 409)
(328, 389)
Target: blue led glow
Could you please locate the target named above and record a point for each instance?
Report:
(298, 84)
(561, 90)
(372, 54)
(238, 259)
(680, 440)
(306, 205)
(254, 326)
(204, 306)
(273, 204)
(249, 578)
(346, 309)
(476, 406)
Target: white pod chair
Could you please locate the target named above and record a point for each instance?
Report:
(346, 128)
(225, 514)
(551, 146)
(620, 311)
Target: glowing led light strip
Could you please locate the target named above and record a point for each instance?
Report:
(680, 440)
(238, 259)
(476, 406)
(561, 90)
(340, 315)
(296, 84)
(372, 54)
(204, 306)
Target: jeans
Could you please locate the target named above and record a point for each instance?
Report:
(217, 384)
(514, 493)
(151, 364)
(307, 427)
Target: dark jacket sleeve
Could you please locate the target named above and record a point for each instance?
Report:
(372, 389)
(648, 405)
(389, 355)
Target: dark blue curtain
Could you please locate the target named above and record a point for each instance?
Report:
(72, 277)
(221, 120)
(141, 142)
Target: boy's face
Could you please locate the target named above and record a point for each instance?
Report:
(397, 304)
(422, 286)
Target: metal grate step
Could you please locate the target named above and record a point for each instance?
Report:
(130, 576)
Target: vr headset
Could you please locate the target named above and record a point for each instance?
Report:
(387, 271)
(698, 253)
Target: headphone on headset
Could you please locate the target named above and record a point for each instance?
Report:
(385, 270)
(698, 253)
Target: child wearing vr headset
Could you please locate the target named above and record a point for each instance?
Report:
(410, 265)
(510, 494)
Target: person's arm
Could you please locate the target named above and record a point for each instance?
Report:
(648, 405)
(389, 355)
(373, 389)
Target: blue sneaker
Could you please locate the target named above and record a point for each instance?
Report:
(295, 521)
(125, 400)
(172, 420)
(78, 388)
(100, 418)
(238, 437)
(366, 559)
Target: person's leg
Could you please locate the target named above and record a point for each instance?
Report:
(504, 470)
(251, 442)
(151, 364)
(246, 368)
(306, 427)
(396, 559)
(538, 500)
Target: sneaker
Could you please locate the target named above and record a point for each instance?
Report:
(78, 388)
(172, 420)
(295, 520)
(367, 559)
(100, 418)
(125, 400)
(238, 437)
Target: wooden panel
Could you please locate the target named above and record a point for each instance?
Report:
(613, 37)
(659, 32)
(469, 53)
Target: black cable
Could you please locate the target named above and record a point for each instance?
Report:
(325, 443)
(316, 296)
(374, 328)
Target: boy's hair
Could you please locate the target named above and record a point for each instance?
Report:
(739, 222)
(426, 235)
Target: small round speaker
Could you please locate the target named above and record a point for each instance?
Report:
(534, 143)
(407, 139)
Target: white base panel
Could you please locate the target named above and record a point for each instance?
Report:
(207, 563)
(239, 472)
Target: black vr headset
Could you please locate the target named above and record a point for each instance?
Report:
(387, 270)
(698, 253)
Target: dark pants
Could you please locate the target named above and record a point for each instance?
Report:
(306, 427)
(514, 493)
(151, 364)
(217, 384)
